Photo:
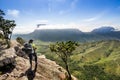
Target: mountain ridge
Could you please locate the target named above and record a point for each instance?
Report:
(103, 29)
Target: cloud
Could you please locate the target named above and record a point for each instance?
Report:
(72, 6)
(53, 4)
(98, 16)
(30, 26)
(13, 13)
(22, 30)
(42, 21)
(91, 19)
(83, 26)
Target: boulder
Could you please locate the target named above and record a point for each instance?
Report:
(7, 56)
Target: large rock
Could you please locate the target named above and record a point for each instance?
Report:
(7, 56)
(46, 69)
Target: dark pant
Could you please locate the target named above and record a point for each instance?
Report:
(31, 58)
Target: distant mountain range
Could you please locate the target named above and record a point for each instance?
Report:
(103, 33)
(106, 29)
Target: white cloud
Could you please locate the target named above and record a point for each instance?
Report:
(91, 19)
(22, 29)
(85, 27)
(42, 21)
(72, 6)
(13, 13)
(72, 25)
(52, 4)
(98, 16)
(28, 27)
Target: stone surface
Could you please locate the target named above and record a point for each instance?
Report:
(46, 69)
(7, 56)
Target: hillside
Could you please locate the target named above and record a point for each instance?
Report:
(103, 56)
(90, 61)
(93, 60)
(14, 65)
(103, 33)
(53, 34)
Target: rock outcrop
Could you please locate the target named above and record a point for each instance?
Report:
(7, 56)
(46, 69)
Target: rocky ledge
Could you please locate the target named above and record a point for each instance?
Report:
(13, 66)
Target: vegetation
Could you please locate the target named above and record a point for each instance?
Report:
(64, 50)
(90, 61)
(20, 40)
(1, 36)
(54, 35)
(6, 28)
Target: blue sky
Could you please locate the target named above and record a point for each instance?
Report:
(84, 15)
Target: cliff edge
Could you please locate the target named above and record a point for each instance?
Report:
(14, 66)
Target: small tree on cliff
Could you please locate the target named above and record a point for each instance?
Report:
(6, 27)
(64, 50)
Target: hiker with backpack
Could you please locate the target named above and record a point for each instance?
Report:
(30, 49)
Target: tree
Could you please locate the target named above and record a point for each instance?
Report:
(1, 20)
(1, 14)
(64, 50)
(6, 26)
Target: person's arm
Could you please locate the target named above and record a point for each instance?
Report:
(34, 47)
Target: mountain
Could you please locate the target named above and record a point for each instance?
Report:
(57, 34)
(104, 29)
(54, 34)
(103, 33)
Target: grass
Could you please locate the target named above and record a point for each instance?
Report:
(102, 56)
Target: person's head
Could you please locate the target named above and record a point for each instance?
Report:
(30, 41)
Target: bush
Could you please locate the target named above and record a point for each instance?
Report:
(1, 36)
(20, 40)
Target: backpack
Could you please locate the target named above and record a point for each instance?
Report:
(27, 48)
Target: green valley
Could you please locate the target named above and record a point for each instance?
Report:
(90, 61)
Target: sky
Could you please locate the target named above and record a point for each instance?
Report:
(84, 15)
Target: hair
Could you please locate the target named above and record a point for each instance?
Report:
(30, 41)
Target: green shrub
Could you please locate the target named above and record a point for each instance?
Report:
(20, 40)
